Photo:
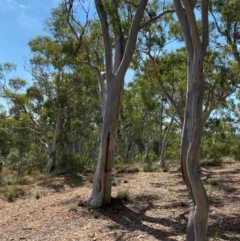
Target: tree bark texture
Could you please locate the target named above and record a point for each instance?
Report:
(101, 194)
(164, 143)
(193, 117)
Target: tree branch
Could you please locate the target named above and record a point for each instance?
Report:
(205, 24)
(100, 83)
(164, 92)
(182, 17)
(156, 18)
(131, 42)
(106, 37)
(80, 37)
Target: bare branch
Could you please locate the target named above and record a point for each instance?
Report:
(106, 37)
(131, 42)
(164, 92)
(156, 17)
(216, 23)
(205, 24)
(189, 9)
(70, 14)
(182, 17)
(100, 82)
(28, 128)
(45, 144)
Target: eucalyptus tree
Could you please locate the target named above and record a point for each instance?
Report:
(50, 93)
(115, 67)
(196, 45)
(50, 102)
(226, 21)
(123, 29)
(139, 122)
(120, 23)
(5, 136)
(68, 90)
(167, 73)
(203, 95)
(221, 137)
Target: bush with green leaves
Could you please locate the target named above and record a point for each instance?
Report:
(71, 162)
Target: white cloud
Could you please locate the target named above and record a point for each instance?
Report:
(27, 6)
(21, 13)
(12, 4)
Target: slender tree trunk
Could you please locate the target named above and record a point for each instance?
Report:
(183, 154)
(147, 158)
(161, 131)
(190, 147)
(52, 161)
(129, 147)
(164, 143)
(147, 145)
(53, 147)
(195, 126)
(184, 151)
(111, 104)
(196, 46)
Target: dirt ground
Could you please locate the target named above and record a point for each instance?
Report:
(157, 209)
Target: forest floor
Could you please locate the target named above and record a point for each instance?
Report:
(157, 209)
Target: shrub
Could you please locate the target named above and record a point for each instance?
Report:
(37, 195)
(71, 162)
(123, 195)
(151, 168)
(171, 191)
(96, 213)
(11, 193)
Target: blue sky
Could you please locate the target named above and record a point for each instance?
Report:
(20, 21)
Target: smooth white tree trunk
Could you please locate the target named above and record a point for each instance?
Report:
(52, 147)
(193, 118)
(101, 194)
(111, 104)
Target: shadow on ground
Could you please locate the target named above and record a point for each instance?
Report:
(225, 227)
(58, 183)
(135, 219)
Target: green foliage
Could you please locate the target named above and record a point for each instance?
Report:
(13, 159)
(4, 142)
(39, 193)
(71, 162)
(11, 193)
(5, 69)
(171, 191)
(124, 195)
(151, 167)
(96, 213)
(17, 83)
